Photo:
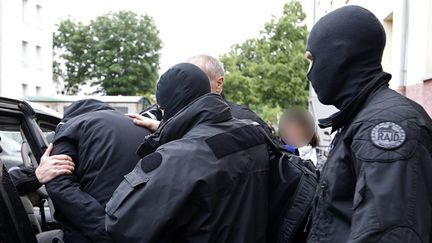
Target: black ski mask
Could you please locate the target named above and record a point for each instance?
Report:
(347, 46)
(179, 86)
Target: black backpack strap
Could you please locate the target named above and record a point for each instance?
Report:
(276, 148)
(299, 210)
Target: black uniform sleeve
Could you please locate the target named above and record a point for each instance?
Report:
(24, 179)
(77, 207)
(391, 195)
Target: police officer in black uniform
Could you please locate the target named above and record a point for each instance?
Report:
(376, 185)
(203, 176)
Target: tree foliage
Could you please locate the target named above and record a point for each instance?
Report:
(270, 71)
(117, 52)
(72, 61)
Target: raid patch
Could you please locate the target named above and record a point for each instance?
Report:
(388, 135)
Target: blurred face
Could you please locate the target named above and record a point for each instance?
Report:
(294, 134)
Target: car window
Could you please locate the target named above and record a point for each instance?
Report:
(12, 142)
(48, 130)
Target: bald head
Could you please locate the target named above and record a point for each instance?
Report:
(213, 68)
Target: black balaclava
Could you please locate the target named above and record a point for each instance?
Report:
(179, 86)
(347, 46)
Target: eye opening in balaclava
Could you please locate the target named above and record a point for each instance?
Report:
(347, 46)
(179, 86)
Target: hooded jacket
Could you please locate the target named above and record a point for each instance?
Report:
(102, 143)
(203, 176)
(179, 86)
(376, 184)
(203, 179)
(172, 94)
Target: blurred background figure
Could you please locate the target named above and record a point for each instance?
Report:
(297, 131)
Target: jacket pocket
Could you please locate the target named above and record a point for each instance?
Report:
(126, 187)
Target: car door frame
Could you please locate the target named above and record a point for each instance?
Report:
(22, 111)
(25, 113)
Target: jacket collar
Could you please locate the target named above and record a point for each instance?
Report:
(346, 114)
(209, 109)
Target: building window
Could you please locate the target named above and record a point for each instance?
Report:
(24, 53)
(24, 10)
(38, 90)
(38, 57)
(39, 20)
(25, 89)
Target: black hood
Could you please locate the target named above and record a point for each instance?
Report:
(179, 86)
(208, 109)
(84, 106)
(347, 46)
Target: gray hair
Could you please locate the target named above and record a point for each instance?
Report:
(210, 65)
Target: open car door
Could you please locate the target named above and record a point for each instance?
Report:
(23, 143)
(14, 223)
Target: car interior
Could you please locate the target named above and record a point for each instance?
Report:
(23, 217)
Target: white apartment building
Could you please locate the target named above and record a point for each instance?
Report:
(25, 48)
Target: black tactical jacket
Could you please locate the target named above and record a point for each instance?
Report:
(377, 183)
(102, 143)
(204, 179)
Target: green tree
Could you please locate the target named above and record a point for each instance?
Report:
(117, 52)
(270, 71)
(72, 61)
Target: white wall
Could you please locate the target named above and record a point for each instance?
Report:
(419, 34)
(35, 71)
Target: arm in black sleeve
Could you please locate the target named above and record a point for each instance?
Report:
(24, 179)
(77, 207)
(391, 196)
